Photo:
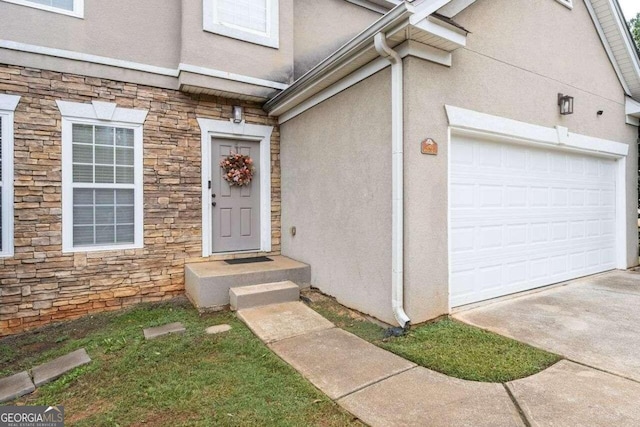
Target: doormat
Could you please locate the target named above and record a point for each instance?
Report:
(248, 260)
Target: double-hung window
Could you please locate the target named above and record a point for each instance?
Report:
(8, 104)
(255, 21)
(65, 7)
(102, 177)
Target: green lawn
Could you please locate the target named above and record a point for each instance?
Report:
(191, 379)
(446, 346)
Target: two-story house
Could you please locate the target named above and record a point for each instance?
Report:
(418, 155)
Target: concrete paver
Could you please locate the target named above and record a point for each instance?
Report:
(218, 329)
(420, 397)
(56, 368)
(280, 321)
(593, 321)
(338, 362)
(15, 386)
(159, 331)
(568, 394)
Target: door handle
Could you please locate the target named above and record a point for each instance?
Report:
(213, 204)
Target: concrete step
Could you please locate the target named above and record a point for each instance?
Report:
(263, 294)
(207, 284)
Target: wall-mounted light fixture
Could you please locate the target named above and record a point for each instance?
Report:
(237, 114)
(565, 102)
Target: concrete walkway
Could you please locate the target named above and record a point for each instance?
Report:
(382, 389)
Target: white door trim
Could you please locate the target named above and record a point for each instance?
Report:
(473, 123)
(226, 129)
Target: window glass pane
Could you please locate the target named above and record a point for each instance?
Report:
(125, 234)
(82, 173)
(83, 133)
(82, 196)
(125, 215)
(82, 236)
(82, 153)
(104, 197)
(83, 215)
(124, 175)
(105, 215)
(104, 174)
(124, 197)
(124, 137)
(124, 156)
(105, 235)
(104, 155)
(104, 135)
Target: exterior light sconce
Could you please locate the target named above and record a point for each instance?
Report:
(565, 102)
(237, 114)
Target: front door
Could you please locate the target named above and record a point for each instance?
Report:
(235, 210)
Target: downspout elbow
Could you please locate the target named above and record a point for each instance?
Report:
(397, 125)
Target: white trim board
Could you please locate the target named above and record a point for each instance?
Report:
(408, 48)
(468, 122)
(8, 105)
(229, 130)
(137, 66)
(77, 12)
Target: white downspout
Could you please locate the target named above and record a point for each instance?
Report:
(397, 172)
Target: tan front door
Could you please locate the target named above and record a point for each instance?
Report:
(235, 210)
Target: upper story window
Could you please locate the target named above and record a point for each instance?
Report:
(102, 204)
(8, 104)
(65, 7)
(254, 21)
(568, 3)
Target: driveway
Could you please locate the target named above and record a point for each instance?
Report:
(593, 321)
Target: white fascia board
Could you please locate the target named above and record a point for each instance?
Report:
(427, 8)
(472, 122)
(455, 7)
(370, 5)
(231, 76)
(632, 110)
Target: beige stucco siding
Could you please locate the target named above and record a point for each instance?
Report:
(119, 29)
(321, 27)
(211, 50)
(520, 55)
(336, 191)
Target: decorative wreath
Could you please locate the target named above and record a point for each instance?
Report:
(238, 169)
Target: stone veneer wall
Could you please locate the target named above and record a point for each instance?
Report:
(40, 284)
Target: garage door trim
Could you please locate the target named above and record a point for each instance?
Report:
(463, 122)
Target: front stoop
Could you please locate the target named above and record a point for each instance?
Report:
(207, 284)
(265, 294)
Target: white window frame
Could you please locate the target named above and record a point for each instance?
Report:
(566, 3)
(100, 114)
(270, 38)
(8, 104)
(77, 12)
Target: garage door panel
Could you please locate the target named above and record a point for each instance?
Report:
(523, 217)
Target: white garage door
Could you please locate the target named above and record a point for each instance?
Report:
(524, 217)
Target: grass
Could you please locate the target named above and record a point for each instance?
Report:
(446, 346)
(193, 379)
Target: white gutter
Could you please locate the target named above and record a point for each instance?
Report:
(397, 173)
